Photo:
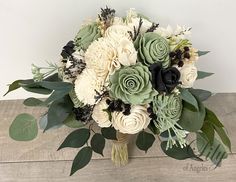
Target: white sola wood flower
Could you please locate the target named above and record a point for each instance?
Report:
(116, 32)
(100, 116)
(188, 75)
(137, 120)
(86, 84)
(101, 57)
(127, 55)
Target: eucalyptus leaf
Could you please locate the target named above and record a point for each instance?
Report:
(201, 94)
(177, 152)
(189, 98)
(215, 152)
(23, 128)
(17, 84)
(71, 122)
(60, 90)
(98, 143)
(53, 78)
(144, 140)
(31, 101)
(202, 53)
(203, 74)
(82, 159)
(109, 133)
(37, 90)
(58, 111)
(210, 116)
(209, 131)
(165, 134)
(43, 121)
(153, 128)
(223, 136)
(13, 86)
(192, 121)
(76, 139)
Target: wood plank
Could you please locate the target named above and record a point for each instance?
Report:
(160, 169)
(43, 148)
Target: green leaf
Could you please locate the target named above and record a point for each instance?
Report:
(38, 90)
(81, 160)
(165, 134)
(43, 121)
(215, 152)
(189, 98)
(208, 130)
(203, 74)
(98, 143)
(60, 90)
(144, 140)
(177, 152)
(53, 78)
(16, 84)
(223, 136)
(76, 139)
(190, 120)
(201, 94)
(202, 53)
(13, 86)
(23, 128)
(58, 111)
(210, 116)
(31, 101)
(212, 119)
(72, 122)
(109, 133)
(153, 128)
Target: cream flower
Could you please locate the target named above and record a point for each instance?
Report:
(118, 21)
(101, 56)
(134, 22)
(188, 75)
(86, 84)
(116, 32)
(136, 121)
(127, 55)
(100, 116)
(176, 35)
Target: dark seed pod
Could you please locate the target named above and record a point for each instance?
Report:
(172, 54)
(149, 110)
(180, 63)
(187, 55)
(186, 48)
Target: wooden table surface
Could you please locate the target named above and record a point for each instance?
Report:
(38, 160)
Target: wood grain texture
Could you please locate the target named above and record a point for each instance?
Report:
(38, 160)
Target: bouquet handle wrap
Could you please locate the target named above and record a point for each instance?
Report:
(119, 153)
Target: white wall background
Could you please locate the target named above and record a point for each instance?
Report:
(32, 31)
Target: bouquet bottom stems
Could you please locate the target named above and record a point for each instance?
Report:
(119, 152)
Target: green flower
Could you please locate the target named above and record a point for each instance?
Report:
(132, 85)
(153, 48)
(87, 35)
(168, 109)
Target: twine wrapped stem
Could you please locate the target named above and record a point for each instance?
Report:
(119, 153)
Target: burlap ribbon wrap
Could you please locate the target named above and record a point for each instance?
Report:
(119, 152)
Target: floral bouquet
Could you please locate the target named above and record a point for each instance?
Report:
(129, 76)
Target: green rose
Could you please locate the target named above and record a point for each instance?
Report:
(87, 35)
(153, 48)
(168, 109)
(132, 85)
